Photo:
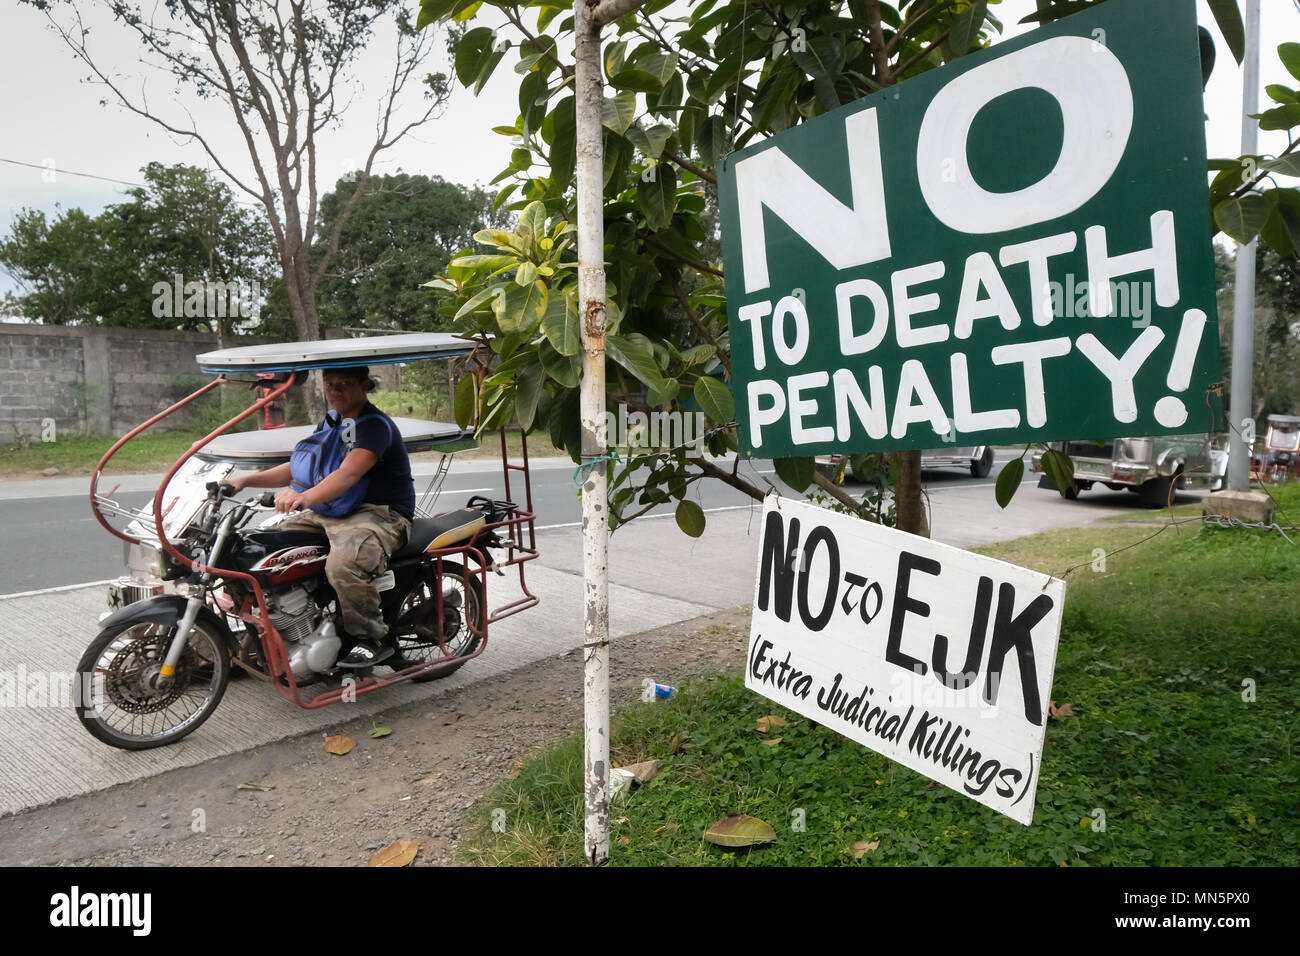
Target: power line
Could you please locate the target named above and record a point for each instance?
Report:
(107, 179)
(69, 172)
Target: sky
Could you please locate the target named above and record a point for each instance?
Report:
(56, 121)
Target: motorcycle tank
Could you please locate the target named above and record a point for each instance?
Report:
(283, 556)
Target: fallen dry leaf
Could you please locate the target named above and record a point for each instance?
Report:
(254, 786)
(675, 745)
(764, 724)
(740, 829)
(1065, 710)
(339, 744)
(624, 841)
(770, 743)
(700, 774)
(862, 847)
(933, 785)
(666, 826)
(398, 853)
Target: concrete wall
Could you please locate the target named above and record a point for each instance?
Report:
(98, 380)
(105, 381)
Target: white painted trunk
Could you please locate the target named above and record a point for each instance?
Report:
(588, 91)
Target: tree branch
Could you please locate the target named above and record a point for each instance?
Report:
(727, 478)
(607, 11)
(699, 326)
(686, 164)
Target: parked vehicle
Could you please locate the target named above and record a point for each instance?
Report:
(1150, 467)
(1282, 446)
(977, 458)
(247, 595)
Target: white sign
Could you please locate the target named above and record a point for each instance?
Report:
(932, 656)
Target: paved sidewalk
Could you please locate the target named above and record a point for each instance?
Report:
(46, 755)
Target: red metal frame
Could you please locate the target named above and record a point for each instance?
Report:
(273, 651)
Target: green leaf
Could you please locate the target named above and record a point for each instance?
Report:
(774, 103)
(966, 27)
(1280, 117)
(1008, 482)
(491, 292)
(532, 223)
(796, 472)
(377, 732)
(564, 153)
(486, 264)
(1288, 165)
(822, 58)
(528, 389)
(533, 92)
(657, 197)
(650, 141)
(690, 517)
(715, 399)
(565, 369)
(560, 323)
(618, 111)
(1059, 467)
(521, 309)
(1243, 217)
(713, 141)
(635, 353)
(1289, 54)
(1228, 16)
(1281, 94)
(472, 53)
(463, 402)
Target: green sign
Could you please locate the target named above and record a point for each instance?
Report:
(1012, 248)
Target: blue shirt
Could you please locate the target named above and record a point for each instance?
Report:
(390, 478)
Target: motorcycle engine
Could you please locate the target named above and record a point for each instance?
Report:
(310, 638)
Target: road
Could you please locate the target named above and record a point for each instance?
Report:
(51, 539)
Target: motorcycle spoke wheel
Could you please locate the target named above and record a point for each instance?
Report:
(123, 700)
(415, 625)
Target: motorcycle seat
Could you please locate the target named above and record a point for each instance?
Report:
(443, 531)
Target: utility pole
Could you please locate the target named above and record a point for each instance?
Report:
(1241, 414)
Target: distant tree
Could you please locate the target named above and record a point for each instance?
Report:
(283, 67)
(1276, 376)
(48, 261)
(405, 228)
(106, 270)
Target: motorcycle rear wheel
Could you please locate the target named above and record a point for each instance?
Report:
(118, 697)
(414, 630)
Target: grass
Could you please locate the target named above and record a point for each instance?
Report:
(1178, 660)
(79, 454)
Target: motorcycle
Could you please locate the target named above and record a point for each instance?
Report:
(251, 597)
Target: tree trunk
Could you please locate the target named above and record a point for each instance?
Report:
(908, 506)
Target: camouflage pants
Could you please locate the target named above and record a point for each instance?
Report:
(360, 545)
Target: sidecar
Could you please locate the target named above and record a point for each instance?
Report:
(149, 570)
(159, 560)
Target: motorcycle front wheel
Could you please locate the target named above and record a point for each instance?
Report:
(121, 698)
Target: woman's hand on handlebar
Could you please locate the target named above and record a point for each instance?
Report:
(290, 500)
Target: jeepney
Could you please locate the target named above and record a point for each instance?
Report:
(1150, 467)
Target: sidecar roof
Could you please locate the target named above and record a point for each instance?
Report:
(273, 446)
(336, 353)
